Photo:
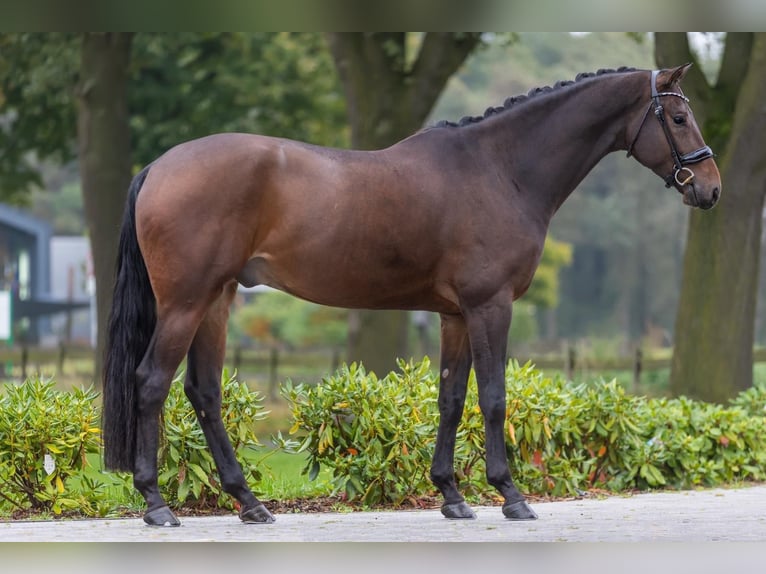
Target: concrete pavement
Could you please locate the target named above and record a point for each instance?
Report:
(737, 514)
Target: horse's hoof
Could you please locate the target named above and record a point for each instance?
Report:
(458, 511)
(258, 514)
(519, 511)
(161, 516)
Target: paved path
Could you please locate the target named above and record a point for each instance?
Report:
(691, 516)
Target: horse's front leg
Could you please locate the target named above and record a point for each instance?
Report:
(455, 365)
(488, 327)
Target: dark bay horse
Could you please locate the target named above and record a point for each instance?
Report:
(450, 220)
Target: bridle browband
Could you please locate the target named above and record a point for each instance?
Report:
(679, 161)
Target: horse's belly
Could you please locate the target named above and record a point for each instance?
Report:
(357, 285)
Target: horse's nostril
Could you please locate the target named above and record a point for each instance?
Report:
(716, 194)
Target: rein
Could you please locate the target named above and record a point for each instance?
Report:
(680, 161)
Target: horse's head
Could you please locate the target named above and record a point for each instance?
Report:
(670, 142)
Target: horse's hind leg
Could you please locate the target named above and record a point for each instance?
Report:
(455, 365)
(170, 341)
(203, 387)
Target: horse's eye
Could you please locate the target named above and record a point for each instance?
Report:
(679, 120)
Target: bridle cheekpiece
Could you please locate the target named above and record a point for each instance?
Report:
(680, 161)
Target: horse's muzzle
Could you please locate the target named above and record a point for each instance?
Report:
(695, 197)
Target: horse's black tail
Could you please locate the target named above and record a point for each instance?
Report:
(131, 324)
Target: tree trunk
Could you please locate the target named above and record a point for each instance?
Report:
(714, 333)
(388, 99)
(103, 137)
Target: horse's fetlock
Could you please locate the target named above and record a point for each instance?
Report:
(500, 479)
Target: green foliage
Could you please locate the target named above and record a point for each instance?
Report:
(377, 435)
(374, 438)
(276, 318)
(191, 84)
(187, 474)
(524, 327)
(544, 290)
(752, 400)
(182, 85)
(692, 443)
(37, 80)
(63, 209)
(40, 424)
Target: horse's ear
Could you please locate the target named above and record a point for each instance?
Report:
(669, 77)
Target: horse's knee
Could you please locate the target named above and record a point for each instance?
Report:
(493, 408)
(451, 403)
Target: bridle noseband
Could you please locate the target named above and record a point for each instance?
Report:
(679, 161)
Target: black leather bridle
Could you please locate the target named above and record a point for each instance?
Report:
(680, 161)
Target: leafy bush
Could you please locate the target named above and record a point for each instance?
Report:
(42, 427)
(45, 435)
(377, 435)
(752, 400)
(187, 473)
(695, 443)
(603, 437)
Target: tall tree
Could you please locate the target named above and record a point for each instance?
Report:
(103, 142)
(713, 357)
(391, 81)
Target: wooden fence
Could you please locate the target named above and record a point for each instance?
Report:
(268, 365)
(31, 359)
(275, 364)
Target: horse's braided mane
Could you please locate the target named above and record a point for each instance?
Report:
(514, 100)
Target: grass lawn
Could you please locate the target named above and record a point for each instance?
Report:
(282, 478)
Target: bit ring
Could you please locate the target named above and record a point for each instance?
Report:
(685, 181)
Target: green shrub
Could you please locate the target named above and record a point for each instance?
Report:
(377, 435)
(39, 423)
(701, 444)
(187, 474)
(45, 436)
(752, 400)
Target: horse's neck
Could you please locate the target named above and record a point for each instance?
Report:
(550, 143)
